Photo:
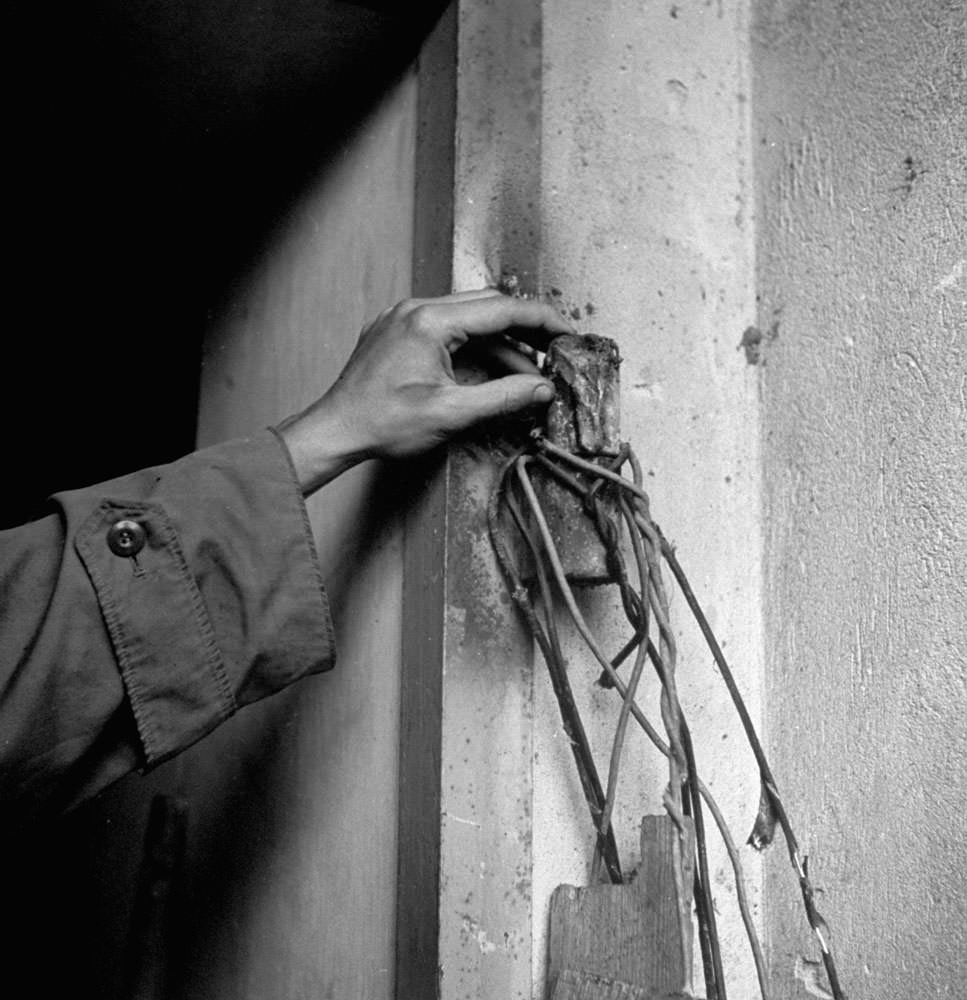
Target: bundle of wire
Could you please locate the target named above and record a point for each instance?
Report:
(515, 505)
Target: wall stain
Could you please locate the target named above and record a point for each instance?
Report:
(913, 169)
(755, 343)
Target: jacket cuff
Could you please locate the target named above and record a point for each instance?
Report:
(222, 602)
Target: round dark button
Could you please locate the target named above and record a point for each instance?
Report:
(126, 538)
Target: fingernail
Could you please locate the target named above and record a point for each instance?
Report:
(544, 393)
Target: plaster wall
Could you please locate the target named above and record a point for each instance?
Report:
(291, 855)
(861, 134)
(647, 234)
(604, 164)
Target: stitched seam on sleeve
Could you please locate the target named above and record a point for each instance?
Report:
(116, 629)
(140, 702)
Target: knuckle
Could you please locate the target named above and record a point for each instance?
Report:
(524, 312)
(508, 405)
(379, 321)
(420, 321)
(507, 307)
(404, 311)
(373, 325)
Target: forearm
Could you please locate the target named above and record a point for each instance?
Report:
(320, 446)
(145, 611)
(118, 662)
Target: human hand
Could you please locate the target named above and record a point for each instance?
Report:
(397, 395)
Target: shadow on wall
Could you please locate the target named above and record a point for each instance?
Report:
(154, 147)
(257, 846)
(151, 146)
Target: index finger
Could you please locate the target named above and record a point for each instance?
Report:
(532, 322)
(464, 296)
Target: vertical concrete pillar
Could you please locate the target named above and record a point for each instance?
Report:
(486, 919)
(646, 237)
(601, 162)
(465, 904)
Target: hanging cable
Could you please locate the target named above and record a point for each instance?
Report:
(644, 606)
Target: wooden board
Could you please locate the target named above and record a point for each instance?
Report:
(586, 986)
(639, 933)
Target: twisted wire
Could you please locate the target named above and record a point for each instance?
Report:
(775, 810)
(635, 608)
(549, 645)
(708, 939)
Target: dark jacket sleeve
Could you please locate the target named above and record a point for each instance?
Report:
(114, 658)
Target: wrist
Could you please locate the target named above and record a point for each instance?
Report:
(320, 447)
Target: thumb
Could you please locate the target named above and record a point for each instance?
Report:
(499, 397)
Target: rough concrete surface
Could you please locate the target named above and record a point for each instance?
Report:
(646, 238)
(486, 740)
(861, 132)
(603, 163)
